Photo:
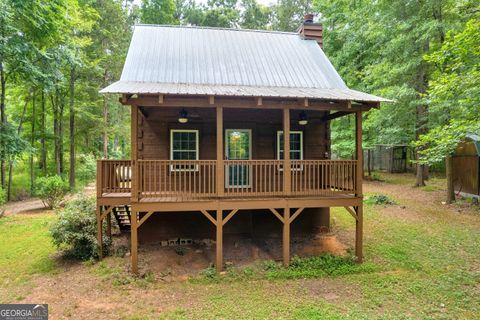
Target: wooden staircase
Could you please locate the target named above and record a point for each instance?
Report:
(122, 215)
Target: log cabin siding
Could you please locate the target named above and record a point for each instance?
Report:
(154, 127)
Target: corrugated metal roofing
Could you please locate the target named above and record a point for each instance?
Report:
(193, 60)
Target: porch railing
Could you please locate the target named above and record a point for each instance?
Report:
(179, 178)
(114, 176)
(323, 177)
(196, 179)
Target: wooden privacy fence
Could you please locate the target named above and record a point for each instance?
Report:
(196, 179)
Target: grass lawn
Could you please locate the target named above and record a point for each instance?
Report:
(422, 262)
(25, 250)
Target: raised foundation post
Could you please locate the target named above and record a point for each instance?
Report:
(219, 241)
(99, 232)
(109, 225)
(359, 189)
(134, 241)
(286, 236)
(359, 234)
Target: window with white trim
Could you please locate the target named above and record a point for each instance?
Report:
(296, 145)
(183, 146)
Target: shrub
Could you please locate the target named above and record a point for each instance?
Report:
(380, 199)
(75, 231)
(51, 190)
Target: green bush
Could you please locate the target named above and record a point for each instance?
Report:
(380, 199)
(51, 190)
(75, 231)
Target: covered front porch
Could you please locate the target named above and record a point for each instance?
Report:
(233, 157)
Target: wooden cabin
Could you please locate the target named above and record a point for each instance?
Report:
(228, 125)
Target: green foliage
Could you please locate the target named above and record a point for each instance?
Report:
(441, 141)
(380, 199)
(454, 91)
(158, 12)
(3, 197)
(288, 14)
(11, 144)
(254, 15)
(76, 229)
(379, 47)
(210, 272)
(320, 266)
(87, 167)
(51, 190)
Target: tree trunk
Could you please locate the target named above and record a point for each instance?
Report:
(3, 119)
(43, 155)
(60, 135)
(421, 115)
(72, 129)
(32, 143)
(449, 173)
(55, 134)
(10, 163)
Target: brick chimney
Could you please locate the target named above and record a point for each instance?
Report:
(310, 30)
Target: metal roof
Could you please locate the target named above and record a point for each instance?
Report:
(234, 62)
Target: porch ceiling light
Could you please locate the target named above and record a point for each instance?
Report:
(183, 118)
(302, 119)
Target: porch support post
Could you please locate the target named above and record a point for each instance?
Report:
(359, 152)
(99, 232)
(359, 192)
(134, 153)
(134, 240)
(359, 234)
(99, 179)
(109, 225)
(219, 241)
(286, 236)
(286, 152)
(220, 167)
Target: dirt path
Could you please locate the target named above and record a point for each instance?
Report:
(34, 205)
(25, 206)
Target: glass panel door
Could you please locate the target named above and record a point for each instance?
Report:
(238, 145)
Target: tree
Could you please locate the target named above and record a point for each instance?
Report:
(24, 28)
(455, 96)
(378, 47)
(255, 15)
(288, 14)
(158, 12)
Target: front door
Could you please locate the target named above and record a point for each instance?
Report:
(238, 146)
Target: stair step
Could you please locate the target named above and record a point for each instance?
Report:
(122, 215)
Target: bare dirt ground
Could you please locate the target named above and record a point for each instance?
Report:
(178, 262)
(25, 206)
